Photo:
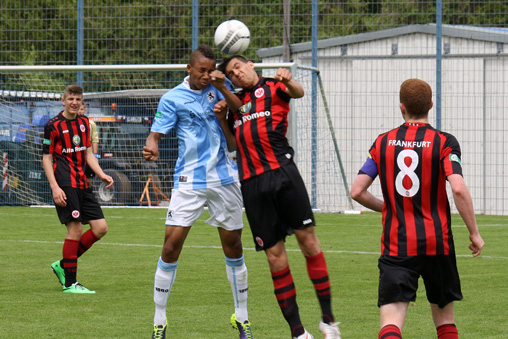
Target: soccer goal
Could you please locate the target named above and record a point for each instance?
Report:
(122, 100)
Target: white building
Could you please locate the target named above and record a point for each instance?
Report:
(362, 74)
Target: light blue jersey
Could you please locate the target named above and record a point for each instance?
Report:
(202, 151)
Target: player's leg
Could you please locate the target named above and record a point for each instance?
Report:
(69, 260)
(236, 271)
(392, 318)
(71, 216)
(317, 270)
(225, 208)
(318, 274)
(166, 273)
(98, 228)
(445, 321)
(298, 215)
(184, 209)
(237, 274)
(398, 283)
(442, 285)
(284, 287)
(92, 212)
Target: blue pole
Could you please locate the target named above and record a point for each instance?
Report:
(80, 47)
(439, 38)
(314, 102)
(195, 24)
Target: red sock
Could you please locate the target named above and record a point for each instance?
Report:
(318, 273)
(70, 260)
(86, 241)
(447, 331)
(285, 293)
(390, 332)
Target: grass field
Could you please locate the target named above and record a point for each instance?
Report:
(121, 268)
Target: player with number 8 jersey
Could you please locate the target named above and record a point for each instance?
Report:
(413, 162)
(408, 158)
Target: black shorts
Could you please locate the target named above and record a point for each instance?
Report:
(81, 206)
(398, 279)
(276, 203)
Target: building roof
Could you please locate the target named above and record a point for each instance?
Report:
(492, 34)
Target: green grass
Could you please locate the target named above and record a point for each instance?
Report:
(121, 269)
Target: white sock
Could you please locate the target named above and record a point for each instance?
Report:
(238, 278)
(164, 278)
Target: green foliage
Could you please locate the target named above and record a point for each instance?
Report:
(121, 268)
(40, 32)
(139, 32)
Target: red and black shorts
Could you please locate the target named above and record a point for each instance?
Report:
(81, 206)
(276, 203)
(398, 279)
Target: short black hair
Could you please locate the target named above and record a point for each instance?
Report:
(226, 61)
(203, 50)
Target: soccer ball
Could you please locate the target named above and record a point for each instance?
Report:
(232, 37)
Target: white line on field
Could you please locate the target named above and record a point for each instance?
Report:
(219, 247)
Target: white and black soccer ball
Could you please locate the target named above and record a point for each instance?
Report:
(232, 37)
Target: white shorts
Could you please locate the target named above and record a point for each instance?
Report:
(224, 205)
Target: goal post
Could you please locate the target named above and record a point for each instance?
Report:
(122, 100)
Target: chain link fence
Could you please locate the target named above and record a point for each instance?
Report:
(365, 49)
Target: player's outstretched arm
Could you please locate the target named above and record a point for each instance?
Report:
(464, 204)
(360, 193)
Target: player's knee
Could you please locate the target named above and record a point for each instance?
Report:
(99, 228)
(276, 262)
(233, 252)
(170, 252)
(309, 244)
(103, 231)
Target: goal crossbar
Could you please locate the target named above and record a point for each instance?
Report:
(119, 68)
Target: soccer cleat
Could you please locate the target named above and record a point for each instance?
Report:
(306, 335)
(330, 331)
(59, 272)
(244, 329)
(159, 332)
(78, 289)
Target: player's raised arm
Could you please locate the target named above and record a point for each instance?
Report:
(220, 111)
(219, 82)
(293, 88)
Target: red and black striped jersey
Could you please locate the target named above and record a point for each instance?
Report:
(260, 128)
(67, 140)
(413, 162)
